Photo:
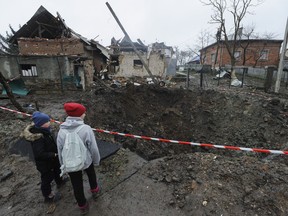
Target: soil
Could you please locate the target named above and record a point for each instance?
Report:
(148, 177)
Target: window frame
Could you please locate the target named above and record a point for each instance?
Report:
(213, 57)
(29, 70)
(137, 64)
(265, 58)
(237, 58)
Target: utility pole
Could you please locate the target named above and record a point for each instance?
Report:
(280, 67)
(131, 43)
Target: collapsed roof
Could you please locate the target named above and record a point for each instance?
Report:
(125, 45)
(44, 25)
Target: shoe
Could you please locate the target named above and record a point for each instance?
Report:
(95, 192)
(63, 182)
(84, 209)
(52, 199)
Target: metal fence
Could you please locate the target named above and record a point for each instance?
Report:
(252, 78)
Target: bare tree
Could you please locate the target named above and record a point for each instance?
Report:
(238, 9)
(255, 53)
(247, 33)
(182, 56)
(269, 35)
(5, 46)
(258, 53)
(6, 86)
(204, 40)
(177, 53)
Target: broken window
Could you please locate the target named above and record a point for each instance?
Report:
(137, 64)
(29, 70)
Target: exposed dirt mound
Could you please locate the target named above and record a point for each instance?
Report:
(200, 181)
(208, 184)
(218, 117)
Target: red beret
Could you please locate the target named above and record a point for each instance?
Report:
(74, 109)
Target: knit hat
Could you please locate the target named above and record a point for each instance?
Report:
(40, 118)
(74, 109)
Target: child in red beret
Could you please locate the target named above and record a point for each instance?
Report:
(76, 114)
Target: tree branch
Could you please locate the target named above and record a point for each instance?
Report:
(3, 81)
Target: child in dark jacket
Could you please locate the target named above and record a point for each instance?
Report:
(45, 154)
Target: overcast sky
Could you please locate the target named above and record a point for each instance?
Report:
(176, 23)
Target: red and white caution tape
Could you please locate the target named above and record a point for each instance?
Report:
(25, 114)
(15, 111)
(196, 144)
(172, 141)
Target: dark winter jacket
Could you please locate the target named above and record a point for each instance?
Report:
(44, 147)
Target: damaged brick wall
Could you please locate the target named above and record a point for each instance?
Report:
(42, 46)
(157, 64)
(51, 72)
(126, 68)
(88, 72)
(99, 64)
(9, 67)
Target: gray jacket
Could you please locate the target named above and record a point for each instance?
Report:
(86, 134)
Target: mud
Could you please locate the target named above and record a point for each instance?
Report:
(158, 178)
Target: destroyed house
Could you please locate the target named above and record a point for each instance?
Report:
(126, 63)
(52, 56)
